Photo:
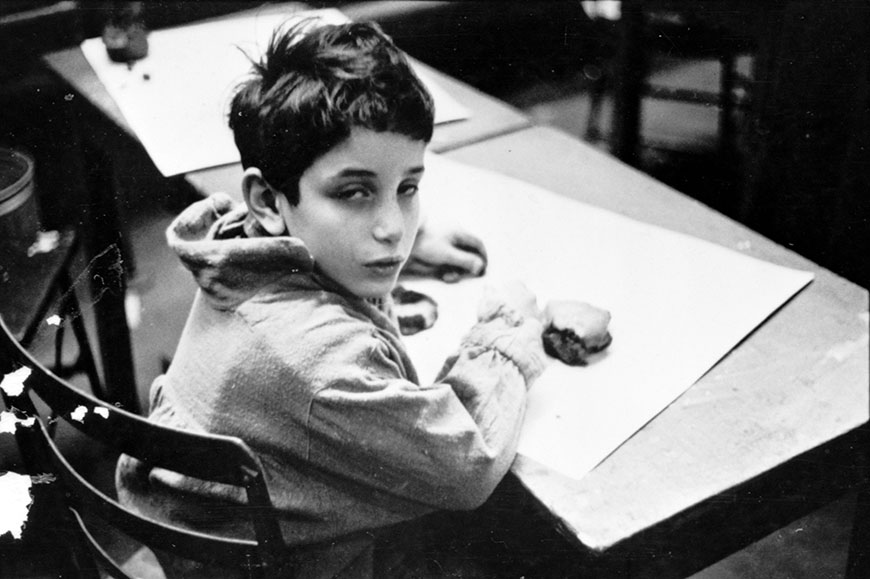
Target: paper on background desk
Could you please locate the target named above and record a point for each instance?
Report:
(176, 99)
(679, 304)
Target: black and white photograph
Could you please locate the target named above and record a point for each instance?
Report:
(422, 289)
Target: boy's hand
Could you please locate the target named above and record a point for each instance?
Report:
(446, 252)
(518, 336)
(512, 299)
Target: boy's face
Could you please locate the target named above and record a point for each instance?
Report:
(358, 209)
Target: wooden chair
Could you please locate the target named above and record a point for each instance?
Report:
(188, 453)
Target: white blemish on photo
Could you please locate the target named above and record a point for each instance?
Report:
(15, 490)
(46, 241)
(13, 382)
(79, 414)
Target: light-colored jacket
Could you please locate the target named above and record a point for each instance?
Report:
(279, 355)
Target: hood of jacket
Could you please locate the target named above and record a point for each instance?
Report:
(229, 255)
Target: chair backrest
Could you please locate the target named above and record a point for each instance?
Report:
(208, 457)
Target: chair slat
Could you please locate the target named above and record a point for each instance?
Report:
(188, 544)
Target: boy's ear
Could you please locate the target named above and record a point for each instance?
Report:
(262, 201)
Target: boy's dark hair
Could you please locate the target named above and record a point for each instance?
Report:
(312, 86)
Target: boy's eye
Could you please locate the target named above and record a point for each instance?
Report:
(353, 193)
(408, 189)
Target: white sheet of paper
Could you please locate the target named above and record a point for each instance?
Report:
(678, 305)
(176, 99)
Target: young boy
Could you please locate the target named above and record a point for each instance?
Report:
(291, 344)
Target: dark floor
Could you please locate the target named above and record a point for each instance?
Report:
(814, 547)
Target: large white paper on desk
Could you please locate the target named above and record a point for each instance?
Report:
(176, 99)
(679, 304)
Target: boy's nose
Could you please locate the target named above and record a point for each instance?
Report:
(390, 224)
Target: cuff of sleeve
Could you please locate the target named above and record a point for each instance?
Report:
(516, 339)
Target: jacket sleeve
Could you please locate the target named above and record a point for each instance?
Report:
(445, 445)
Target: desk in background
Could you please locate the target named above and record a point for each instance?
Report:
(489, 117)
(102, 121)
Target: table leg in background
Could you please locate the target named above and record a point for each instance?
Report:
(858, 566)
(109, 283)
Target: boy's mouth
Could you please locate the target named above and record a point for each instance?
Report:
(386, 266)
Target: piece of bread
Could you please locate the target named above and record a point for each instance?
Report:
(574, 330)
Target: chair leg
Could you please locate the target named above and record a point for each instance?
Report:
(726, 106)
(858, 564)
(109, 280)
(632, 72)
(593, 120)
(70, 310)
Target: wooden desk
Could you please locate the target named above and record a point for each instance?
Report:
(769, 434)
